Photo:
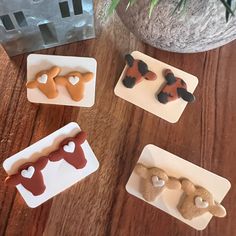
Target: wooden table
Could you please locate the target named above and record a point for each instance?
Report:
(118, 131)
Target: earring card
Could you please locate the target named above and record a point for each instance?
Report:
(153, 156)
(58, 175)
(143, 94)
(38, 62)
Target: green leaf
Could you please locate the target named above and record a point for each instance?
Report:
(227, 14)
(180, 6)
(228, 7)
(113, 6)
(130, 3)
(152, 5)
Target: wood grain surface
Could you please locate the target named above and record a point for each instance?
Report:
(118, 131)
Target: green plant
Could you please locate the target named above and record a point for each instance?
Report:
(180, 6)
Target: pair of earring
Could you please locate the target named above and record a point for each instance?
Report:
(74, 82)
(195, 200)
(174, 88)
(30, 176)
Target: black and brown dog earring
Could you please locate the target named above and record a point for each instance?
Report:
(136, 72)
(175, 88)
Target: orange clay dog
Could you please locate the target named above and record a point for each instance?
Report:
(44, 81)
(75, 83)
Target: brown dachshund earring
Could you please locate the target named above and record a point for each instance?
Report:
(175, 88)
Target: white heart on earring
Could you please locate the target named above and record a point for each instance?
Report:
(200, 203)
(70, 147)
(43, 79)
(73, 80)
(157, 182)
(28, 173)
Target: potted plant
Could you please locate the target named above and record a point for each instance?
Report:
(179, 25)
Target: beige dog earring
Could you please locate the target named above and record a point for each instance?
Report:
(196, 201)
(154, 181)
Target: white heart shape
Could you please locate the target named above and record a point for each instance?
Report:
(43, 79)
(70, 147)
(157, 182)
(28, 173)
(200, 203)
(73, 80)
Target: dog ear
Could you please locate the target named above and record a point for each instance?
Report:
(41, 162)
(55, 156)
(81, 137)
(187, 186)
(169, 76)
(61, 80)
(142, 68)
(141, 170)
(87, 76)
(150, 75)
(54, 71)
(187, 96)
(173, 183)
(12, 180)
(217, 210)
(129, 60)
(31, 84)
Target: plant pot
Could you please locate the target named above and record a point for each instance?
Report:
(201, 26)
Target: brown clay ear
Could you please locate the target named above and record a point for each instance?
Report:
(55, 71)
(55, 156)
(217, 210)
(150, 75)
(129, 60)
(187, 186)
(31, 84)
(142, 67)
(141, 170)
(61, 80)
(166, 72)
(185, 95)
(169, 76)
(81, 137)
(173, 183)
(12, 180)
(41, 163)
(86, 77)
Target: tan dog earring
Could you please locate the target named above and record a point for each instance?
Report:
(196, 201)
(44, 81)
(154, 181)
(75, 83)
